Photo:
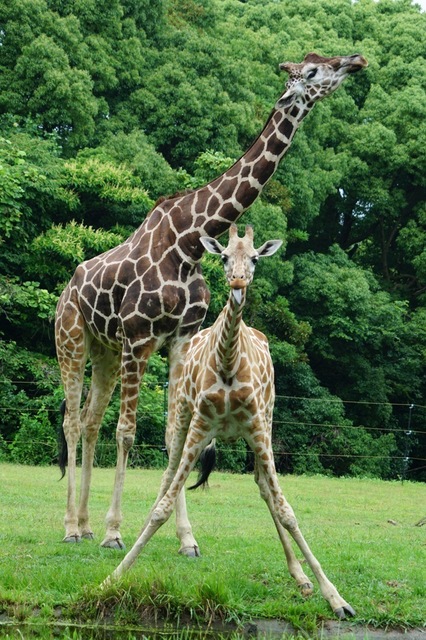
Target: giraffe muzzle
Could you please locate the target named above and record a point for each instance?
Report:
(238, 283)
(356, 63)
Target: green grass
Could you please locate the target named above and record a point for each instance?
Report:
(378, 567)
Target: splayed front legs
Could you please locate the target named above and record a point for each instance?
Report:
(282, 513)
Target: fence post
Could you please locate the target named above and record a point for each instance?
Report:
(408, 444)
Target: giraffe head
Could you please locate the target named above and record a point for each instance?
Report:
(316, 77)
(239, 258)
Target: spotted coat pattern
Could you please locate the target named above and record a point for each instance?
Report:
(123, 305)
(227, 391)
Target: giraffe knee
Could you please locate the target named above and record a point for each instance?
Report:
(125, 440)
(128, 441)
(288, 520)
(159, 516)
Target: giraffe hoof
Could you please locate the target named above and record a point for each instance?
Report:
(89, 535)
(113, 543)
(344, 611)
(190, 552)
(72, 538)
(306, 589)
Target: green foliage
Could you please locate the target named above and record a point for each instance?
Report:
(55, 254)
(35, 441)
(106, 106)
(108, 181)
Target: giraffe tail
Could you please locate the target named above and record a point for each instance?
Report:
(62, 442)
(207, 462)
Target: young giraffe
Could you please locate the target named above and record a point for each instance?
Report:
(123, 305)
(227, 391)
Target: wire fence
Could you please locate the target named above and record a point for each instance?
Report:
(406, 459)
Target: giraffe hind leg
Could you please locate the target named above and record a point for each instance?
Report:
(295, 569)
(72, 356)
(105, 370)
(282, 510)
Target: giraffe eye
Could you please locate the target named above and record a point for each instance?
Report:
(255, 259)
(311, 74)
(224, 259)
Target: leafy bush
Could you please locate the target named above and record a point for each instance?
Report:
(35, 441)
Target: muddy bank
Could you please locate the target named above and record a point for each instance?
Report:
(269, 629)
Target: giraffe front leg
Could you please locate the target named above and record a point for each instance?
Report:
(125, 438)
(71, 430)
(178, 349)
(132, 369)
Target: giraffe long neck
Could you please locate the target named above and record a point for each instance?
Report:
(226, 198)
(227, 334)
(210, 210)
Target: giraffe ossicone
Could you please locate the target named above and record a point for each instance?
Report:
(123, 305)
(227, 391)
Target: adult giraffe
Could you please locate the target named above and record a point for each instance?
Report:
(123, 305)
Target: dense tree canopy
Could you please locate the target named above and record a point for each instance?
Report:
(107, 105)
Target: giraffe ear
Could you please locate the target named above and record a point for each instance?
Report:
(269, 248)
(211, 245)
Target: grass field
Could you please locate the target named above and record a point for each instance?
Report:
(378, 567)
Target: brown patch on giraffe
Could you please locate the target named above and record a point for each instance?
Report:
(213, 205)
(191, 245)
(197, 291)
(241, 416)
(228, 188)
(67, 322)
(150, 304)
(181, 220)
(151, 279)
(167, 269)
(246, 194)
(232, 172)
(174, 299)
(215, 228)
(103, 303)
(165, 326)
(263, 169)
(273, 146)
(126, 273)
(255, 151)
(86, 310)
(201, 201)
(107, 278)
(286, 128)
(154, 219)
(142, 266)
(100, 322)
